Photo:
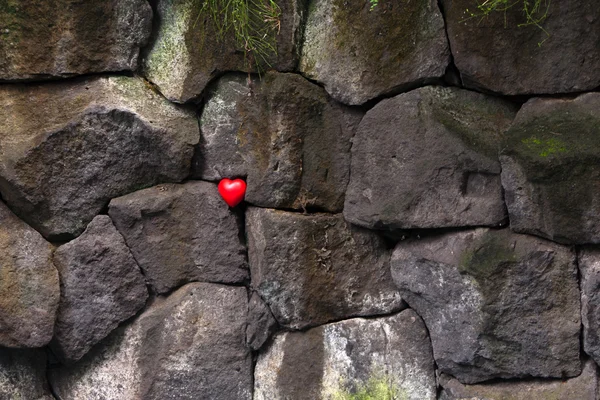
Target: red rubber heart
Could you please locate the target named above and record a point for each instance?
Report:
(232, 191)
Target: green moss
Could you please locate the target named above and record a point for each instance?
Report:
(378, 387)
(487, 257)
(546, 147)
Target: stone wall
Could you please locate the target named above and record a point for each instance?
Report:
(422, 216)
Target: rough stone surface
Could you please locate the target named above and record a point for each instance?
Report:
(28, 284)
(261, 323)
(68, 148)
(23, 375)
(187, 52)
(42, 39)
(281, 132)
(188, 346)
(551, 169)
(583, 387)
(589, 269)
(493, 53)
(497, 304)
(180, 233)
(428, 159)
(359, 54)
(380, 358)
(312, 269)
(100, 286)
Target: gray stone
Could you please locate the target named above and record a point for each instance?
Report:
(312, 269)
(583, 387)
(360, 54)
(188, 346)
(42, 39)
(429, 159)
(378, 358)
(180, 233)
(188, 52)
(28, 284)
(494, 53)
(68, 148)
(497, 304)
(23, 375)
(261, 323)
(100, 286)
(281, 132)
(589, 269)
(551, 169)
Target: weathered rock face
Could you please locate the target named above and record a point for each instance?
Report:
(23, 375)
(589, 268)
(188, 52)
(381, 358)
(314, 269)
(100, 286)
(261, 323)
(68, 148)
(493, 53)
(584, 387)
(551, 169)
(181, 233)
(497, 304)
(428, 159)
(46, 39)
(359, 54)
(28, 283)
(188, 346)
(281, 132)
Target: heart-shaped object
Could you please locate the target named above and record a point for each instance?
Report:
(232, 191)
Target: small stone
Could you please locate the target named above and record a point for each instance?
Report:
(589, 268)
(261, 323)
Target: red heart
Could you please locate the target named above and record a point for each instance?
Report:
(232, 191)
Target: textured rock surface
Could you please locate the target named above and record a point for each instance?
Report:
(359, 54)
(583, 387)
(68, 148)
(42, 39)
(314, 269)
(188, 346)
(497, 304)
(387, 357)
(589, 269)
(28, 284)
(23, 375)
(261, 323)
(494, 54)
(187, 51)
(428, 159)
(100, 286)
(551, 169)
(181, 233)
(282, 133)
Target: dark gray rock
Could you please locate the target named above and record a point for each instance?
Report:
(28, 284)
(188, 52)
(428, 159)
(42, 39)
(68, 148)
(261, 323)
(281, 132)
(551, 169)
(589, 269)
(377, 358)
(23, 375)
(493, 53)
(100, 286)
(312, 269)
(188, 346)
(497, 304)
(181, 233)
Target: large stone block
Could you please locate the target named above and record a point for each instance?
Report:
(100, 286)
(494, 53)
(428, 159)
(23, 375)
(497, 304)
(377, 358)
(180, 233)
(359, 53)
(589, 269)
(68, 148)
(188, 346)
(41, 39)
(281, 132)
(312, 269)
(28, 284)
